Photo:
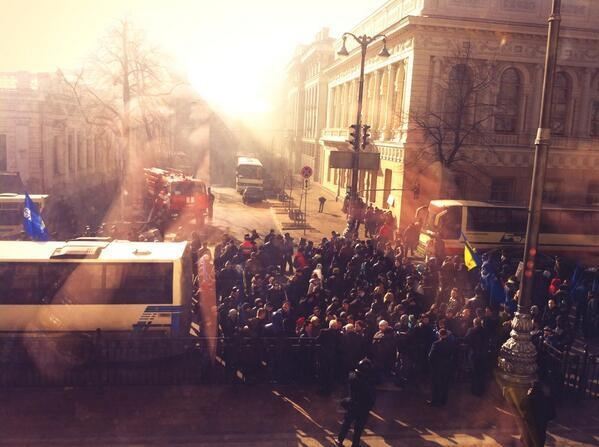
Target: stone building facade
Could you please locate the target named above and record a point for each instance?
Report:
(44, 138)
(306, 103)
(424, 38)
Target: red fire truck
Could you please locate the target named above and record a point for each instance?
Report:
(177, 193)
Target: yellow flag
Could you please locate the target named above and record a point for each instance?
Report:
(470, 257)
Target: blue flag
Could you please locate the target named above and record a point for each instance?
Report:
(32, 221)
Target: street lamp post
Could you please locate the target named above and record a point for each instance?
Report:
(364, 41)
(517, 359)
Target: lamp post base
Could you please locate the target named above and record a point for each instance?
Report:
(518, 356)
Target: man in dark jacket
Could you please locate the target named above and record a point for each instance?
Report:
(478, 343)
(537, 410)
(362, 396)
(442, 359)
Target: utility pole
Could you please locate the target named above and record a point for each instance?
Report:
(517, 358)
(363, 41)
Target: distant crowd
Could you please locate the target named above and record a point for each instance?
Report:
(370, 298)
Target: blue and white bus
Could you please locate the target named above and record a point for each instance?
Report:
(249, 172)
(88, 285)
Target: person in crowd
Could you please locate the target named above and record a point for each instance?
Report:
(211, 199)
(321, 202)
(361, 399)
(410, 238)
(442, 359)
(478, 344)
(538, 408)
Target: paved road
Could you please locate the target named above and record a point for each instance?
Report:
(232, 216)
(262, 415)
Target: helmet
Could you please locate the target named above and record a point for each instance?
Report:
(364, 366)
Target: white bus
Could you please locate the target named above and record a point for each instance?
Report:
(11, 212)
(572, 232)
(249, 172)
(89, 284)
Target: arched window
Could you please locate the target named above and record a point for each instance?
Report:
(460, 97)
(562, 91)
(508, 101)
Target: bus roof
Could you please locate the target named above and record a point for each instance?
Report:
(248, 161)
(117, 251)
(8, 197)
(475, 203)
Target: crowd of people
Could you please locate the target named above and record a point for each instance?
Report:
(414, 319)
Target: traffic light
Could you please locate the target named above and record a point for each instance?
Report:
(354, 135)
(365, 136)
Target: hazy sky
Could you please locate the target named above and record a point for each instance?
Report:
(232, 50)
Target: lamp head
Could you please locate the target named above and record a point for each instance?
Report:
(384, 52)
(343, 51)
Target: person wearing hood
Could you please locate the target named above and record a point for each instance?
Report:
(361, 399)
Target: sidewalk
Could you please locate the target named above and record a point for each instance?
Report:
(319, 225)
(267, 416)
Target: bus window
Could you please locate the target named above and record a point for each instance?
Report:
(490, 219)
(517, 221)
(140, 283)
(86, 283)
(10, 214)
(550, 222)
(450, 223)
(20, 283)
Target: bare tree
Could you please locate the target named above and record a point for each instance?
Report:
(125, 86)
(459, 117)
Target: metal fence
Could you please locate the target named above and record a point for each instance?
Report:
(87, 360)
(74, 360)
(571, 370)
(141, 360)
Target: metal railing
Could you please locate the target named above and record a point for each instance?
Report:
(570, 370)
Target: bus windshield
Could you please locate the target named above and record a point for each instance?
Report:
(248, 171)
(85, 283)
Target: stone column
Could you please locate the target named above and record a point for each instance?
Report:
(583, 118)
(389, 100)
(354, 101)
(399, 86)
(375, 100)
(330, 108)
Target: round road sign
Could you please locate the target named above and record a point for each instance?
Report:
(306, 172)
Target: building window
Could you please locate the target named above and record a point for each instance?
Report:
(593, 194)
(562, 91)
(502, 189)
(595, 119)
(508, 101)
(3, 154)
(551, 191)
(459, 96)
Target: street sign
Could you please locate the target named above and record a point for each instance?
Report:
(344, 160)
(306, 172)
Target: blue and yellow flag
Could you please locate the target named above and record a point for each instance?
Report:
(471, 258)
